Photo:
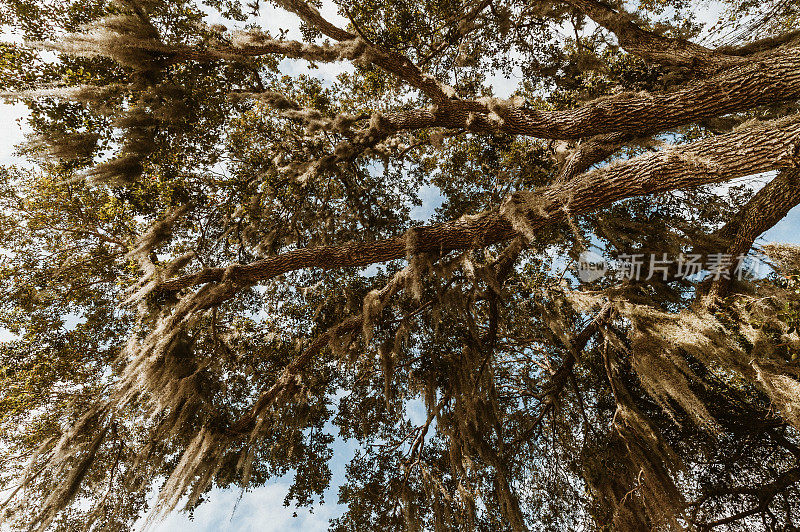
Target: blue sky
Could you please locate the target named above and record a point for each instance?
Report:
(787, 230)
(262, 509)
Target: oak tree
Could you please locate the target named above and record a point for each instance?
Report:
(215, 266)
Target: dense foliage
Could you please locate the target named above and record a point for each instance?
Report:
(215, 265)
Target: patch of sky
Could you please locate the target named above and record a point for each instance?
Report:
(431, 198)
(13, 118)
(371, 271)
(72, 320)
(504, 85)
(259, 509)
(262, 508)
(7, 336)
(417, 412)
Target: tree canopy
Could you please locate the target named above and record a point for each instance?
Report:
(216, 264)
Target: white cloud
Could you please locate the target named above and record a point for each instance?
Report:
(14, 127)
(259, 510)
(7, 34)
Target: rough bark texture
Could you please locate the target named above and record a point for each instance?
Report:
(748, 151)
(773, 79)
(769, 206)
(650, 45)
(590, 152)
(766, 80)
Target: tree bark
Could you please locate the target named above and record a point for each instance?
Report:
(747, 151)
(767, 80)
(773, 79)
(651, 46)
(769, 206)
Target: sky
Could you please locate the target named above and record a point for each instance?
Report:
(262, 509)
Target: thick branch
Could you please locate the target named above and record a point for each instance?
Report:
(769, 206)
(590, 152)
(741, 153)
(762, 45)
(612, 121)
(772, 79)
(311, 16)
(392, 62)
(649, 45)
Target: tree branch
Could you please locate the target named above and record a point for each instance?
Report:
(650, 45)
(772, 79)
(392, 62)
(744, 152)
(764, 494)
(559, 379)
(769, 206)
(590, 152)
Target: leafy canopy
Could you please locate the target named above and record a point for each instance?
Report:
(220, 259)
